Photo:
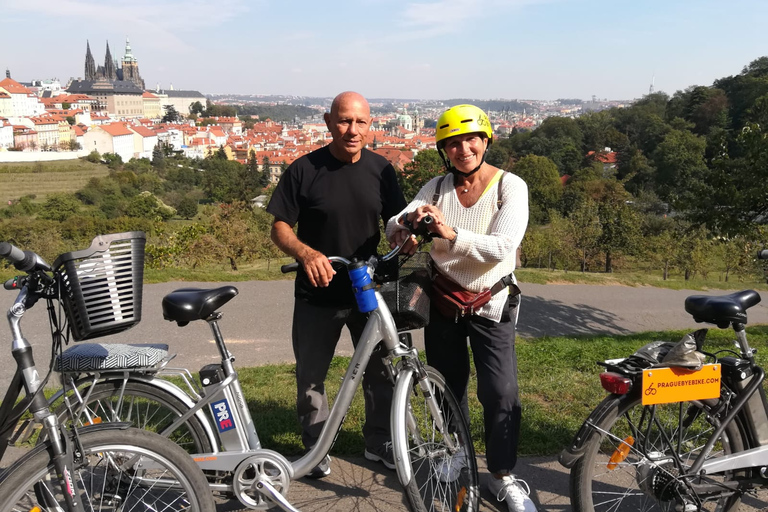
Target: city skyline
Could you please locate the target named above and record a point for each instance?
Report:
(430, 49)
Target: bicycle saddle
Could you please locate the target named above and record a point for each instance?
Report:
(722, 310)
(187, 304)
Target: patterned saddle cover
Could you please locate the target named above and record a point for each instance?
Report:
(112, 356)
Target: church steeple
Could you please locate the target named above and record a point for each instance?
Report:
(110, 73)
(128, 57)
(90, 64)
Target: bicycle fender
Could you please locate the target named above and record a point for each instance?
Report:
(163, 384)
(574, 452)
(397, 421)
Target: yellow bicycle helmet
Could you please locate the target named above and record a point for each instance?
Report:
(462, 119)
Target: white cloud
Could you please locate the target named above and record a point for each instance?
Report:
(147, 20)
(422, 20)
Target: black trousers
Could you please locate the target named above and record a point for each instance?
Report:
(493, 351)
(316, 332)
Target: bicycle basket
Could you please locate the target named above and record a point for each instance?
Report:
(406, 292)
(101, 287)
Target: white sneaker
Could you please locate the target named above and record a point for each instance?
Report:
(514, 491)
(449, 467)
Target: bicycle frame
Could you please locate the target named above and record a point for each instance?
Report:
(26, 378)
(380, 327)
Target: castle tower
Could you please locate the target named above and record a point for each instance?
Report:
(90, 64)
(110, 73)
(131, 66)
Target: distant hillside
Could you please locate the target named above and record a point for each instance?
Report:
(278, 113)
(43, 178)
(493, 105)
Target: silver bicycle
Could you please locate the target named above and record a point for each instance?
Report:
(108, 467)
(433, 452)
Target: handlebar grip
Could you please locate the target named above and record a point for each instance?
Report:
(290, 267)
(762, 255)
(11, 252)
(22, 260)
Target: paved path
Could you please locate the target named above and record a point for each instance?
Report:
(257, 326)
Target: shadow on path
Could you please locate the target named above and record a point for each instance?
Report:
(547, 317)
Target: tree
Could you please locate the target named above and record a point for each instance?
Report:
(266, 173)
(584, 231)
(415, 174)
(94, 157)
(544, 186)
(59, 207)
(231, 233)
(146, 205)
(171, 115)
(497, 156)
(679, 160)
(113, 160)
(187, 207)
(196, 108)
(158, 157)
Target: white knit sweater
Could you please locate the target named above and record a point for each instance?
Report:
(487, 240)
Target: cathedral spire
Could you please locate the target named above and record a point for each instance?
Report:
(90, 64)
(110, 72)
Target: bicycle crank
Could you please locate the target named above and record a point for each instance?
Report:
(262, 480)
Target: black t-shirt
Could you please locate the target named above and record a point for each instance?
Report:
(337, 206)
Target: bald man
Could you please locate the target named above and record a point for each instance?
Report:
(336, 195)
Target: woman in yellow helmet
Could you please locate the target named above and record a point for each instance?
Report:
(480, 214)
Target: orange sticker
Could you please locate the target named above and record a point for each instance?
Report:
(667, 385)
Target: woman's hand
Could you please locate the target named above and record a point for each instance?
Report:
(438, 225)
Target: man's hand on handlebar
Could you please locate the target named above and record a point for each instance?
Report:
(317, 267)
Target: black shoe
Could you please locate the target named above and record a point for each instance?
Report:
(322, 470)
(383, 454)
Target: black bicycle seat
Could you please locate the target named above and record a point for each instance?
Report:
(722, 310)
(187, 304)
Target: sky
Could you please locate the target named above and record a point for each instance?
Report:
(407, 49)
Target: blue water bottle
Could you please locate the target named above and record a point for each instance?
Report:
(365, 290)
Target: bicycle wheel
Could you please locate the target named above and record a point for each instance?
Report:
(430, 487)
(121, 470)
(633, 458)
(144, 406)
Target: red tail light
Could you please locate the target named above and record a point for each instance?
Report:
(615, 383)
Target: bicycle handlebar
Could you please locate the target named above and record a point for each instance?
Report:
(22, 260)
(762, 255)
(421, 230)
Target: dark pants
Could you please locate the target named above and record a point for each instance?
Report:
(493, 350)
(316, 332)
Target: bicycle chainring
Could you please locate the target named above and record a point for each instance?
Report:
(262, 466)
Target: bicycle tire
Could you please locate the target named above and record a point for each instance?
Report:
(163, 477)
(424, 449)
(144, 406)
(644, 479)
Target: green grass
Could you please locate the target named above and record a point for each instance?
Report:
(558, 378)
(261, 270)
(558, 381)
(41, 179)
(636, 278)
